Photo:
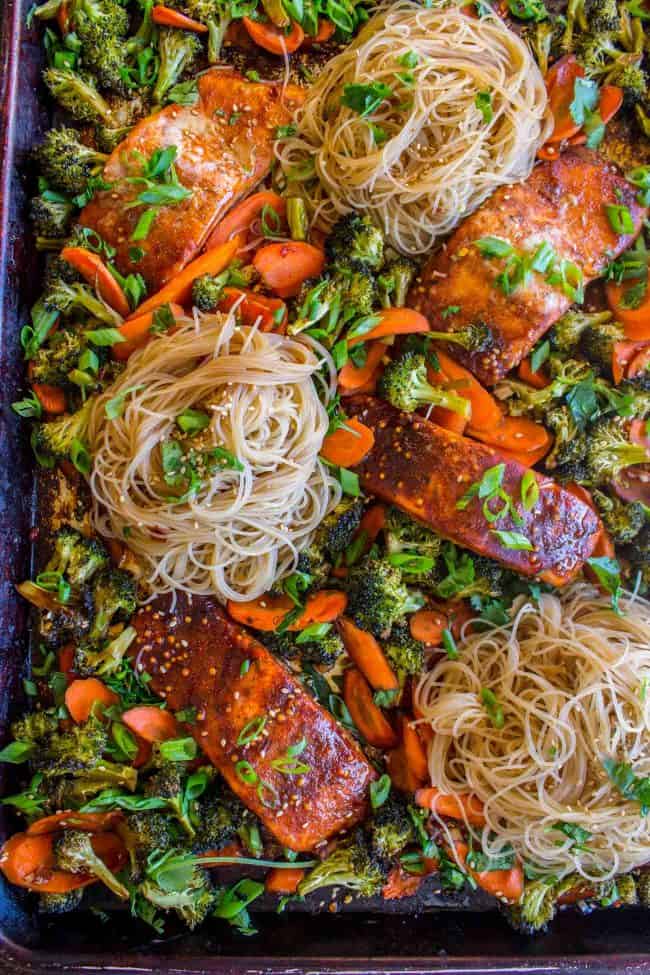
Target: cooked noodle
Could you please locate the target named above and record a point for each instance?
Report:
(570, 676)
(241, 529)
(440, 158)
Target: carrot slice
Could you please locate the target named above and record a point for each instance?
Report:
(448, 419)
(179, 289)
(348, 445)
(351, 378)
(507, 885)
(65, 656)
(267, 612)
(393, 321)
(368, 718)
(368, 656)
(86, 822)
(93, 270)
(486, 412)
(143, 753)
(635, 321)
(528, 459)
(609, 102)
(151, 723)
(283, 266)
(428, 625)
(560, 86)
(401, 884)
(240, 219)
(516, 433)
(51, 398)
(28, 861)
(283, 881)
(622, 355)
(274, 39)
(465, 807)
(251, 306)
(82, 695)
(640, 363)
(414, 753)
(137, 332)
(371, 524)
(167, 17)
(326, 29)
(526, 374)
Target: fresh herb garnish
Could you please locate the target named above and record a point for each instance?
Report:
(483, 101)
(379, 791)
(365, 99)
(493, 708)
(630, 786)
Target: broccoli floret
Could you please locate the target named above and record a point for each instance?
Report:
(114, 598)
(343, 293)
(77, 94)
(355, 238)
(604, 61)
(73, 851)
(570, 443)
(405, 654)
(564, 375)
(76, 557)
(79, 752)
(536, 908)
(358, 288)
(216, 15)
(324, 650)
(109, 136)
(609, 450)
(207, 291)
(394, 282)
(168, 783)
(566, 333)
(404, 384)
(90, 658)
(377, 596)
(542, 38)
(331, 539)
(597, 344)
(34, 726)
(60, 903)
(643, 887)
(475, 337)
(350, 865)
(55, 440)
(145, 832)
(622, 521)
(177, 50)
(192, 904)
(603, 16)
(404, 534)
(70, 299)
(391, 828)
(58, 270)
(54, 363)
(220, 818)
(51, 219)
(66, 163)
(101, 26)
(468, 575)
(107, 14)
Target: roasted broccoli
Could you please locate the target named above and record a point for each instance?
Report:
(56, 439)
(192, 903)
(76, 557)
(168, 783)
(395, 280)
(331, 539)
(404, 384)
(73, 851)
(221, 816)
(34, 726)
(107, 14)
(178, 50)
(643, 887)
(108, 136)
(54, 362)
(145, 832)
(543, 38)
(350, 865)
(536, 908)
(216, 15)
(468, 575)
(405, 535)
(51, 219)
(79, 752)
(57, 270)
(391, 828)
(66, 163)
(207, 291)
(322, 650)
(77, 94)
(338, 296)
(358, 288)
(355, 238)
(623, 521)
(565, 374)
(609, 450)
(60, 903)
(71, 299)
(565, 335)
(597, 344)
(91, 658)
(603, 16)
(475, 337)
(605, 62)
(377, 596)
(405, 654)
(114, 598)
(570, 443)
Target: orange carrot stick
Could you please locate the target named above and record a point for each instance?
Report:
(451, 806)
(428, 625)
(167, 17)
(29, 861)
(252, 306)
(516, 433)
(368, 718)
(137, 332)
(528, 459)
(414, 753)
(65, 656)
(348, 445)
(179, 289)
(486, 413)
(507, 885)
(82, 695)
(371, 524)
(274, 39)
(393, 321)
(151, 723)
(284, 265)
(448, 419)
(267, 612)
(526, 374)
(93, 270)
(368, 656)
(560, 85)
(63, 18)
(239, 220)
(351, 378)
(283, 881)
(635, 321)
(51, 398)
(85, 822)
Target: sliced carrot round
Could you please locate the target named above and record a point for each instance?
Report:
(635, 321)
(239, 220)
(284, 266)
(151, 723)
(274, 39)
(83, 694)
(428, 625)
(89, 822)
(348, 445)
(51, 398)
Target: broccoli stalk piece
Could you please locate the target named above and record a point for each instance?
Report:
(566, 333)
(404, 384)
(177, 49)
(207, 291)
(76, 557)
(394, 282)
(405, 654)
(598, 342)
(55, 440)
(77, 94)
(72, 298)
(576, 18)
(378, 597)
(51, 220)
(355, 238)
(89, 658)
(391, 828)
(297, 218)
(66, 163)
(74, 852)
(350, 865)
(622, 521)
(609, 450)
(114, 597)
(475, 337)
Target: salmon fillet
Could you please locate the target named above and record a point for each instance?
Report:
(425, 470)
(224, 148)
(563, 204)
(196, 655)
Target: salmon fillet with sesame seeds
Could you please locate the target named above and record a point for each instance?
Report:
(251, 710)
(561, 204)
(224, 148)
(425, 470)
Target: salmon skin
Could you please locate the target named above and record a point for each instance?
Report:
(224, 148)
(425, 470)
(251, 710)
(563, 204)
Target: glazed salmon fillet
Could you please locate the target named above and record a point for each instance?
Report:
(251, 709)
(561, 204)
(224, 148)
(425, 470)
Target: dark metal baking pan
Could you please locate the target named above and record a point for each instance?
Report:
(433, 934)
